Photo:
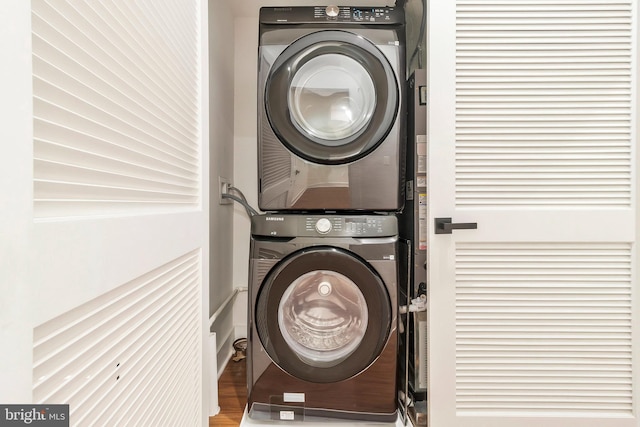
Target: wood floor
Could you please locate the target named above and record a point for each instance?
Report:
(232, 395)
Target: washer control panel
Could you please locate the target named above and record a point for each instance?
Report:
(290, 225)
(370, 226)
(355, 14)
(331, 14)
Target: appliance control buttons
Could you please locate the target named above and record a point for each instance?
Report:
(323, 226)
(332, 11)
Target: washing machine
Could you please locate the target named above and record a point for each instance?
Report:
(322, 339)
(331, 125)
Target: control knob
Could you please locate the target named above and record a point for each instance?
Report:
(323, 226)
(332, 11)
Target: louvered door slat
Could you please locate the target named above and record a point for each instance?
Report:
(132, 349)
(538, 72)
(117, 81)
(539, 335)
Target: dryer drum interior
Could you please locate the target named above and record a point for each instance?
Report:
(323, 314)
(331, 97)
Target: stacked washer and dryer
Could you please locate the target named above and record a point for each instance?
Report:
(322, 339)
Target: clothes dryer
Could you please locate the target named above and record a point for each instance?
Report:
(322, 339)
(331, 117)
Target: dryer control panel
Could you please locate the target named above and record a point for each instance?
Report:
(301, 225)
(331, 14)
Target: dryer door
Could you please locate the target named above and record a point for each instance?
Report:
(331, 97)
(323, 314)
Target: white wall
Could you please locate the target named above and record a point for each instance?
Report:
(245, 149)
(222, 78)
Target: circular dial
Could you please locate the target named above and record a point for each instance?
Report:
(332, 11)
(323, 226)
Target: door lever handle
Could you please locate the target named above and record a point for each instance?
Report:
(445, 226)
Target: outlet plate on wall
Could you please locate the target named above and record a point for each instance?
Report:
(223, 185)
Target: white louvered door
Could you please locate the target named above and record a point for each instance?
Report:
(533, 317)
(106, 163)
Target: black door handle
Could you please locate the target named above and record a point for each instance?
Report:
(445, 226)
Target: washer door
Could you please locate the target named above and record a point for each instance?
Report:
(323, 314)
(331, 97)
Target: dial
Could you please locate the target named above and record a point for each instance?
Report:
(323, 226)
(332, 11)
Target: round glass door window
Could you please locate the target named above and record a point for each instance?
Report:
(323, 314)
(331, 97)
(323, 317)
